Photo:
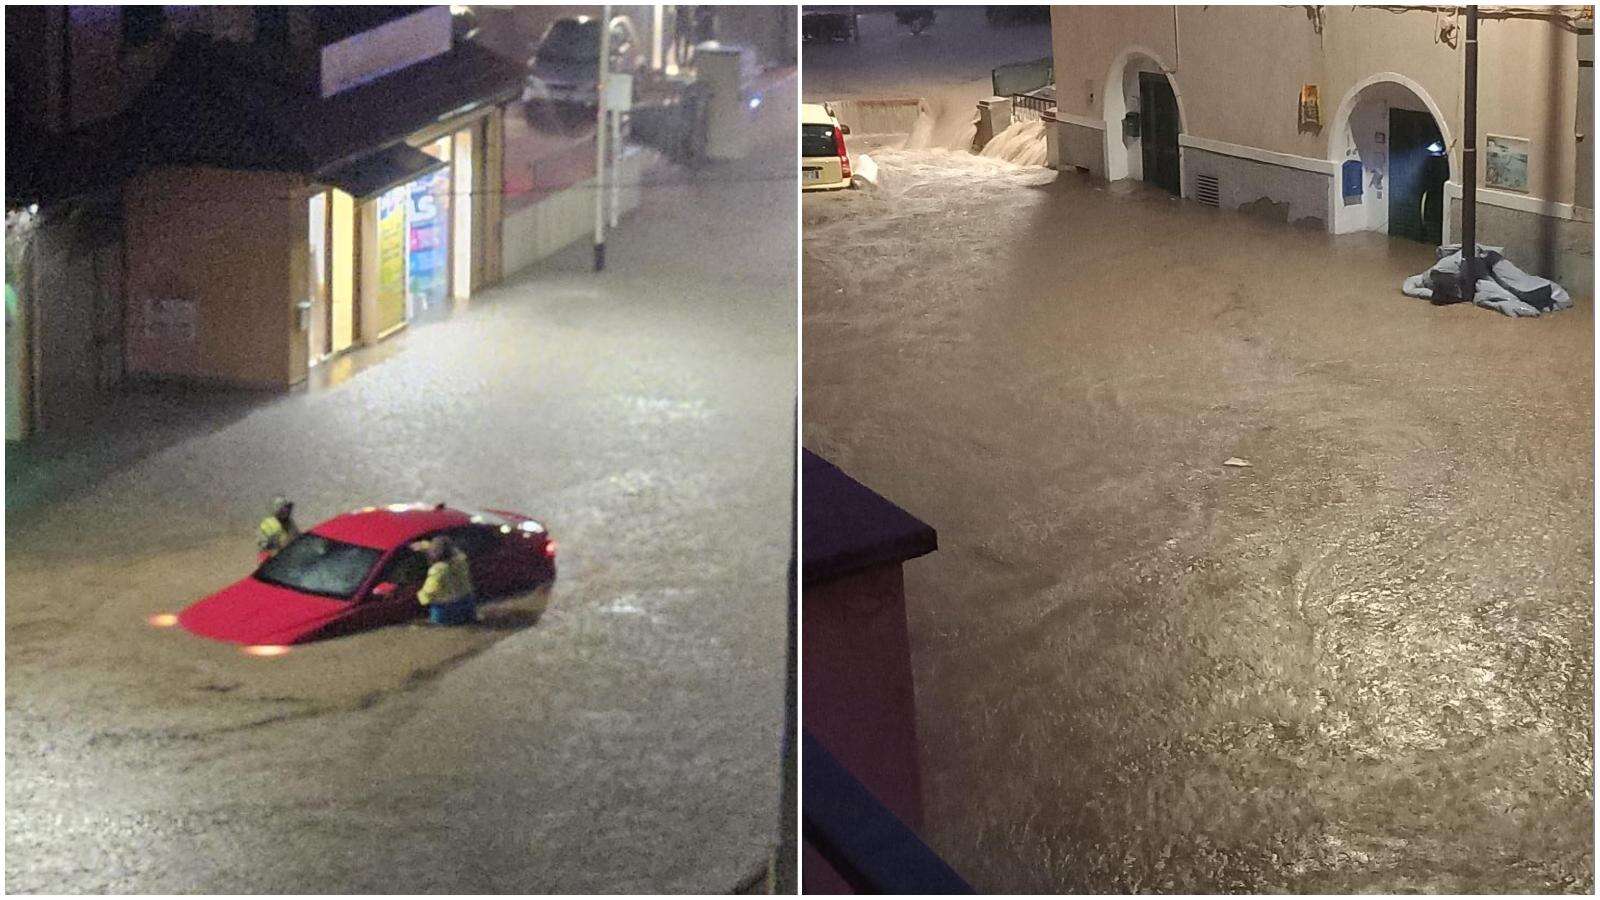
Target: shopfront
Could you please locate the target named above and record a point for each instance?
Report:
(409, 220)
(366, 209)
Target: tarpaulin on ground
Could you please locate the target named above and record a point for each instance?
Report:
(1503, 287)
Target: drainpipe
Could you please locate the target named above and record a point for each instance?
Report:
(1469, 163)
(600, 142)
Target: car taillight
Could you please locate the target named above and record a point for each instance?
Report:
(550, 549)
(844, 158)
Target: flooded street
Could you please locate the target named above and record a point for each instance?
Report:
(620, 734)
(1363, 663)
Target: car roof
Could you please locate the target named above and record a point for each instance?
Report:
(815, 114)
(382, 527)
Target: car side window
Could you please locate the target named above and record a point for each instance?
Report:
(475, 541)
(407, 568)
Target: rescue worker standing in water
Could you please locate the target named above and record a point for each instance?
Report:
(447, 593)
(278, 529)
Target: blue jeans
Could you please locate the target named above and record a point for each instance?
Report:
(456, 612)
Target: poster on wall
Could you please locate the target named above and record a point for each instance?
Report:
(392, 258)
(1506, 162)
(171, 320)
(1310, 107)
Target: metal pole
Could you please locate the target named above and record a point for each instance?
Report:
(657, 22)
(600, 143)
(616, 166)
(1469, 163)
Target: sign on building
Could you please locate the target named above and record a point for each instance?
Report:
(390, 47)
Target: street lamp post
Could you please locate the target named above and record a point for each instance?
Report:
(1469, 163)
(600, 142)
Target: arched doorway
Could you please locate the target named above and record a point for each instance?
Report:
(1143, 116)
(1394, 148)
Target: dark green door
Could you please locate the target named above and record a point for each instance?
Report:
(1418, 168)
(1158, 145)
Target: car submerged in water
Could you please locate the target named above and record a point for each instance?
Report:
(359, 570)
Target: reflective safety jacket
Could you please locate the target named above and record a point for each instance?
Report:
(448, 581)
(274, 536)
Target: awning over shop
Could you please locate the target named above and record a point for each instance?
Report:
(211, 105)
(376, 173)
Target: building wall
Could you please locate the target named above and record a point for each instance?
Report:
(1559, 248)
(70, 278)
(36, 67)
(860, 698)
(1247, 93)
(220, 248)
(541, 229)
(1086, 39)
(1238, 70)
(1274, 191)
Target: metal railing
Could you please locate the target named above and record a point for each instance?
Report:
(1033, 105)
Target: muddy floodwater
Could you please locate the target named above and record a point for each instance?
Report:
(619, 733)
(1362, 663)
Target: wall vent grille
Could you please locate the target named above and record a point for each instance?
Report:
(1207, 190)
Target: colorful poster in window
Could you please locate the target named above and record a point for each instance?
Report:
(392, 258)
(429, 244)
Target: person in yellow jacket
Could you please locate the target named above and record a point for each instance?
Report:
(447, 592)
(277, 530)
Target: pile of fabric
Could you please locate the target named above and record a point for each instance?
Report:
(1501, 287)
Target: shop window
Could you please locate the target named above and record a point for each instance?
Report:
(428, 237)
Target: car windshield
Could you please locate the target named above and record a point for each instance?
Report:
(817, 140)
(317, 565)
(572, 41)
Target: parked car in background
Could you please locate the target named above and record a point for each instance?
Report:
(915, 18)
(827, 27)
(564, 70)
(824, 162)
(1017, 15)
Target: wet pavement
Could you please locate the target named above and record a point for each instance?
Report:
(620, 733)
(1363, 663)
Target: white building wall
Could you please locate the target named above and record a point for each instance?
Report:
(1238, 71)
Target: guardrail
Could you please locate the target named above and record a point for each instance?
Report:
(1031, 106)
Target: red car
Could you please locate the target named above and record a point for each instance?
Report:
(358, 571)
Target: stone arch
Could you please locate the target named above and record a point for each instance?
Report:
(1351, 138)
(1122, 154)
